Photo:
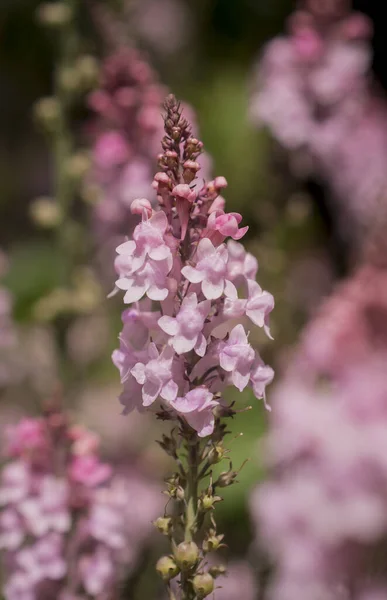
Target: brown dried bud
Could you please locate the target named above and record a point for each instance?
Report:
(167, 568)
(203, 585)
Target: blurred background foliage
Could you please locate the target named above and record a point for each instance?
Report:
(211, 72)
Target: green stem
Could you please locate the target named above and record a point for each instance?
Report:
(191, 493)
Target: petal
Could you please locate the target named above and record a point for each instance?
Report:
(205, 249)
(135, 293)
(238, 336)
(192, 274)
(212, 291)
(240, 233)
(203, 422)
(159, 221)
(169, 325)
(230, 290)
(182, 344)
(227, 362)
(157, 293)
(239, 380)
(160, 253)
(201, 345)
(169, 391)
(138, 372)
(126, 248)
(150, 392)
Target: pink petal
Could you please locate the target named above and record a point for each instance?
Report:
(138, 372)
(212, 291)
(201, 345)
(135, 293)
(202, 422)
(157, 293)
(126, 248)
(192, 274)
(238, 336)
(182, 344)
(160, 253)
(169, 391)
(205, 249)
(159, 221)
(240, 233)
(150, 392)
(169, 325)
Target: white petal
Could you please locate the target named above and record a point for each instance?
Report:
(169, 325)
(212, 291)
(193, 275)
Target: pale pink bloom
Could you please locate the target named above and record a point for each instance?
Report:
(197, 406)
(241, 265)
(49, 510)
(210, 269)
(184, 198)
(257, 307)
(19, 587)
(12, 531)
(97, 571)
(27, 436)
(236, 357)
(15, 482)
(89, 471)
(261, 375)
(221, 225)
(144, 262)
(156, 376)
(43, 560)
(186, 328)
(106, 523)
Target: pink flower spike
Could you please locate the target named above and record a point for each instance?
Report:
(186, 329)
(156, 376)
(139, 205)
(236, 356)
(210, 270)
(196, 406)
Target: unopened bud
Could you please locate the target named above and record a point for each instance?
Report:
(88, 71)
(182, 191)
(171, 158)
(47, 112)
(141, 205)
(69, 80)
(191, 167)
(167, 568)
(193, 147)
(203, 585)
(78, 166)
(46, 213)
(55, 14)
(164, 525)
(186, 555)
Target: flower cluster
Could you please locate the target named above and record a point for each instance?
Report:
(127, 129)
(315, 95)
(184, 258)
(323, 513)
(65, 527)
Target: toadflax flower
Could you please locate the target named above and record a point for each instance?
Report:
(64, 517)
(178, 259)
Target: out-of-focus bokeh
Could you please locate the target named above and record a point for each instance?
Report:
(290, 104)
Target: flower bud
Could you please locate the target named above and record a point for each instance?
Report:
(182, 191)
(212, 541)
(164, 525)
(55, 14)
(88, 70)
(186, 555)
(78, 165)
(203, 585)
(139, 205)
(46, 213)
(167, 568)
(217, 570)
(48, 112)
(191, 167)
